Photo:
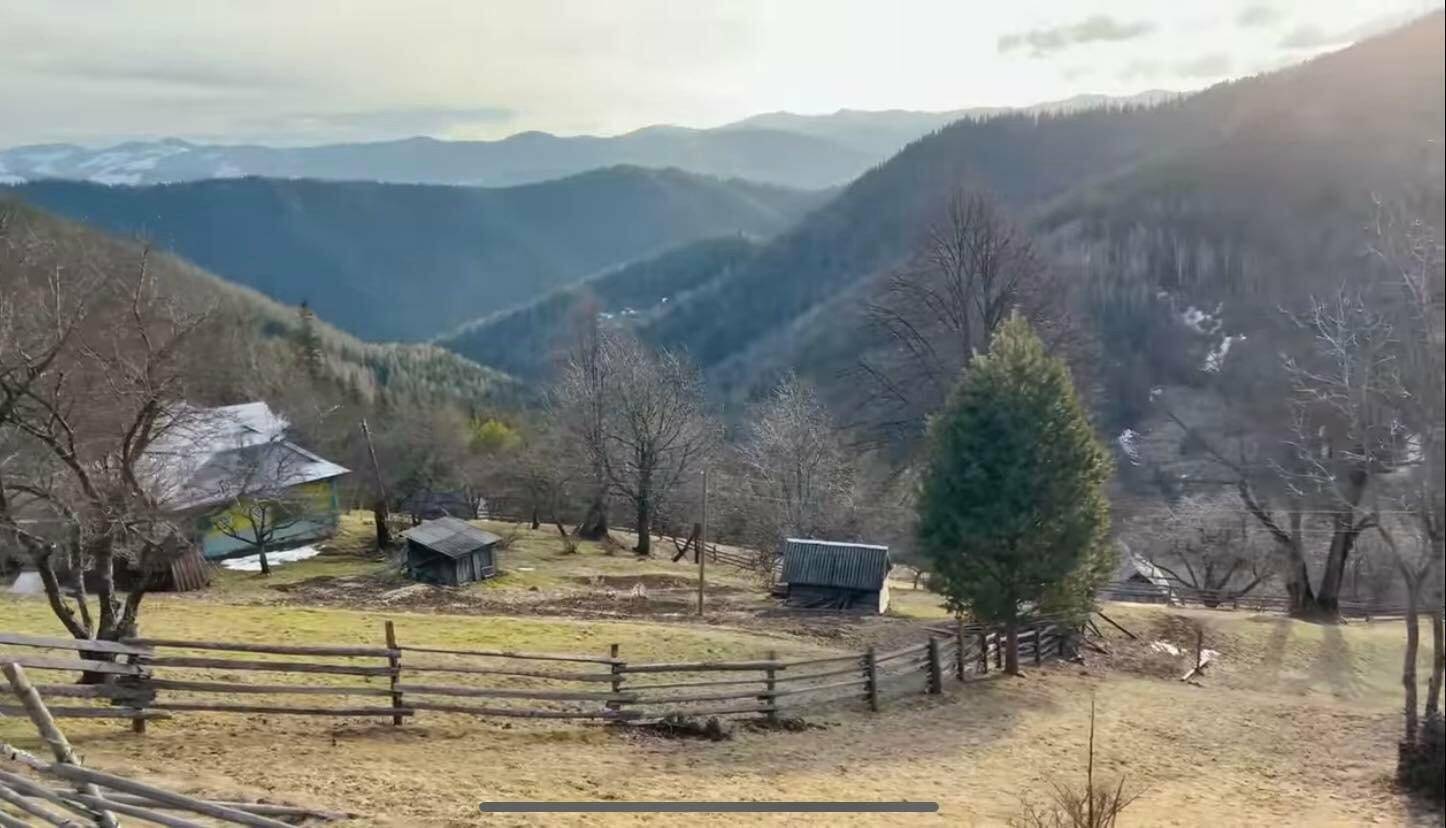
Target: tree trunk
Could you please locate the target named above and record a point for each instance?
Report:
(379, 516)
(1343, 541)
(536, 522)
(1011, 650)
(645, 528)
(594, 524)
(1408, 667)
(265, 565)
(1438, 666)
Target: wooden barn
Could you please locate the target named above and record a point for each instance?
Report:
(450, 551)
(830, 575)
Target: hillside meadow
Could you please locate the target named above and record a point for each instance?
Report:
(1294, 726)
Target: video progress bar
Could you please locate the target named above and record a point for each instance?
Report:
(710, 807)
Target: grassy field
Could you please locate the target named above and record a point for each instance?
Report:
(1294, 726)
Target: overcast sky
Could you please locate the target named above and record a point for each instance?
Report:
(305, 71)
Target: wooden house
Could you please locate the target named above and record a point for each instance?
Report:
(450, 551)
(205, 470)
(830, 575)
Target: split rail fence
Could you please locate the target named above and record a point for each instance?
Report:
(1227, 600)
(146, 679)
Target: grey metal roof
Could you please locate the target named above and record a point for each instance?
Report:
(834, 564)
(215, 455)
(450, 536)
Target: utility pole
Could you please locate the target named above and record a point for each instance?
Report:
(703, 543)
(379, 506)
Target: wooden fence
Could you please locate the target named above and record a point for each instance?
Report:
(96, 797)
(147, 679)
(1225, 599)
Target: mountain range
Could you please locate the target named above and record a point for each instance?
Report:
(1243, 199)
(1232, 204)
(406, 261)
(805, 151)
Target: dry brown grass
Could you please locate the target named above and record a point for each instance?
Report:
(1301, 733)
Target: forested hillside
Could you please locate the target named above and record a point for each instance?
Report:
(523, 340)
(1234, 195)
(391, 261)
(252, 347)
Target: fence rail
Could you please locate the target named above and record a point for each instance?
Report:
(143, 679)
(1228, 600)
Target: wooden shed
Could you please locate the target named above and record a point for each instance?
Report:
(830, 575)
(450, 551)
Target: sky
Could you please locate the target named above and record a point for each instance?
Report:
(292, 72)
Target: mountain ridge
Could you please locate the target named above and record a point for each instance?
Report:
(408, 261)
(814, 151)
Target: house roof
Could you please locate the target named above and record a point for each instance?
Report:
(450, 536)
(213, 455)
(1133, 566)
(834, 564)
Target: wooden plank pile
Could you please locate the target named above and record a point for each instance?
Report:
(87, 796)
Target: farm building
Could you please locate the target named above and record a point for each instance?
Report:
(429, 504)
(450, 551)
(207, 468)
(1137, 579)
(829, 575)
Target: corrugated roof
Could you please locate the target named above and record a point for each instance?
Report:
(450, 536)
(835, 564)
(212, 455)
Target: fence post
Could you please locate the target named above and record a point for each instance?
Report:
(936, 671)
(1038, 650)
(770, 685)
(616, 668)
(138, 725)
(983, 653)
(999, 650)
(959, 650)
(871, 675)
(394, 662)
(45, 725)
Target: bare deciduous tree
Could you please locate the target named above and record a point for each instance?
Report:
(258, 490)
(799, 477)
(1205, 545)
(90, 378)
(973, 268)
(637, 415)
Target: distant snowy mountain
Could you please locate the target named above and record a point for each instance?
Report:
(808, 151)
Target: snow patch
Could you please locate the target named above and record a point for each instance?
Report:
(1201, 321)
(252, 563)
(1215, 360)
(1129, 442)
(28, 583)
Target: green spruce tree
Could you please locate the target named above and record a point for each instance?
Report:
(308, 342)
(1013, 515)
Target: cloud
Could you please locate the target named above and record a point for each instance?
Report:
(1257, 14)
(1209, 65)
(1097, 29)
(1213, 65)
(398, 122)
(175, 70)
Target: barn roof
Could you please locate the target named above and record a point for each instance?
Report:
(450, 536)
(829, 563)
